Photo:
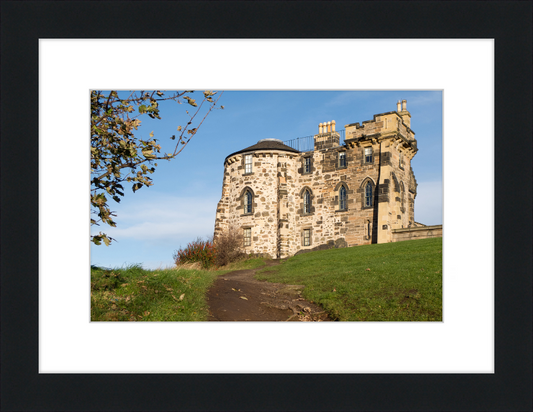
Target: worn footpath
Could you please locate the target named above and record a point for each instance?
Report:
(237, 296)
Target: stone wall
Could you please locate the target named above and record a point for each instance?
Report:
(412, 233)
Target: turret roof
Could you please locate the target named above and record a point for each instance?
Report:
(267, 144)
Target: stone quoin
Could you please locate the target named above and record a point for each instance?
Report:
(283, 201)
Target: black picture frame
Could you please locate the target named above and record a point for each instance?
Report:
(508, 22)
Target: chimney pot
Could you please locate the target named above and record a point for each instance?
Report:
(333, 125)
(404, 105)
(399, 106)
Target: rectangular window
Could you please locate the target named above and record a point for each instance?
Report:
(342, 159)
(248, 164)
(368, 155)
(307, 165)
(401, 160)
(247, 236)
(307, 237)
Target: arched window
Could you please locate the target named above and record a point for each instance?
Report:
(342, 198)
(368, 195)
(248, 199)
(307, 201)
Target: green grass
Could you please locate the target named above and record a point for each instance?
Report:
(136, 294)
(384, 282)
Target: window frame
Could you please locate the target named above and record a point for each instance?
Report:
(307, 165)
(247, 240)
(343, 199)
(307, 238)
(342, 159)
(367, 199)
(307, 202)
(248, 206)
(250, 164)
(365, 156)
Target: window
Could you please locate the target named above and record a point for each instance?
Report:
(402, 207)
(248, 164)
(342, 198)
(248, 199)
(307, 201)
(307, 237)
(401, 160)
(307, 165)
(342, 159)
(368, 195)
(247, 236)
(368, 155)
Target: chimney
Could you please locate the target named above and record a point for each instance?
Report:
(329, 127)
(320, 128)
(398, 106)
(333, 125)
(404, 105)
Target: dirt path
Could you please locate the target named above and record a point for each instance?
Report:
(237, 296)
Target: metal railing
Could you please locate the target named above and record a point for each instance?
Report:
(307, 143)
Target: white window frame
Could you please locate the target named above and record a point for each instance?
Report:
(307, 239)
(247, 236)
(248, 159)
(367, 156)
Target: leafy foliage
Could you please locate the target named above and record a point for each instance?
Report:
(119, 157)
(202, 251)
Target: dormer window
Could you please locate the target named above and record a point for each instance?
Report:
(248, 164)
(368, 154)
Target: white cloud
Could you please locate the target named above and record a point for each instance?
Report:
(164, 217)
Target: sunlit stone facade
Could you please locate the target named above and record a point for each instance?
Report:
(284, 201)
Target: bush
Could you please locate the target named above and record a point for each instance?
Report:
(228, 247)
(202, 251)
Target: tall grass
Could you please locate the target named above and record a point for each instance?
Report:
(132, 293)
(136, 294)
(384, 282)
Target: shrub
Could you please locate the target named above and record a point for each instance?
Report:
(202, 251)
(228, 247)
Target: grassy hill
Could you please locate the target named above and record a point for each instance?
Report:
(384, 282)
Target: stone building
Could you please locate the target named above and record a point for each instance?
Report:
(358, 192)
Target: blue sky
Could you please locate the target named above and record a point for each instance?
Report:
(155, 221)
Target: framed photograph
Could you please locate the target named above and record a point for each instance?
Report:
(477, 357)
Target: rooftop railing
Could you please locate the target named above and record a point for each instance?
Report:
(307, 143)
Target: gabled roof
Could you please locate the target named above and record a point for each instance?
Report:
(266, 144)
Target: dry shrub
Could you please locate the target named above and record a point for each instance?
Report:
(229, 247)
